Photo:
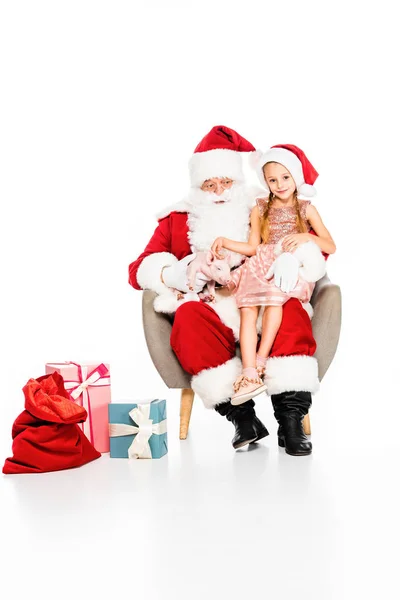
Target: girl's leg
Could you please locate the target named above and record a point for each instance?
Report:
(271, 322)
(248, 384)
(248, 335)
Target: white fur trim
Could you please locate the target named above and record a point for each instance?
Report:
(312, 262)
(293, 164)
(260, 320)
(215, 163)
(291, 374)
(227, 310)
(283, 157)
(149, 272)
(308, 308)
(254, 158)
(307, 190)
(168, 303)
(215, 385)
(181, 206)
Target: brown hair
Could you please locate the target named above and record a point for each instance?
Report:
(265, 226)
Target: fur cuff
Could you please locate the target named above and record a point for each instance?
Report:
(167, 302)
(149, 272)
(227, 310)
(291, 374)
(219, 162)
(308, 308)
(181, 206)
(215, 385)
(313, 265)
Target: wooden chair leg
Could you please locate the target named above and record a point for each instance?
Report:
(307, 424)
(187, 397)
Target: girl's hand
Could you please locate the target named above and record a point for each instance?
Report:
(291, 242)
(217, 246)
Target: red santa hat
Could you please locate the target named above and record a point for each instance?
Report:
(218, 155)
(297, 164)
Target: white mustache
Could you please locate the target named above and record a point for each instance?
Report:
(236, 194)
(225, 196)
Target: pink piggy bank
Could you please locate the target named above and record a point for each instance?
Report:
(216, 270)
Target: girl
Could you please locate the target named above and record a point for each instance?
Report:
(280, 222)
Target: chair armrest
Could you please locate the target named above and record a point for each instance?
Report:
(157, 331)
(327, 304)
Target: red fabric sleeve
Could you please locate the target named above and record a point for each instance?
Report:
(160, 242)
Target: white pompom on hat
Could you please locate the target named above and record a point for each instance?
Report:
(218, 155)
(297, 164)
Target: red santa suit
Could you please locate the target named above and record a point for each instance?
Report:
(204, 336)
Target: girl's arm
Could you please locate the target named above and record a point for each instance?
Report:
(246, 248)
(323, 238)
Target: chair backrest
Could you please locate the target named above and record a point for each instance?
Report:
(157, 331)
(326, 322)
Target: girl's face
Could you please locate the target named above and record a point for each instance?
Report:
(279, 180)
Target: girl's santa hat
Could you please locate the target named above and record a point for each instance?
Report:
(218, 155)
(296, 163)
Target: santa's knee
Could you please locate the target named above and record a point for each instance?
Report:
(201, 321)
(199, 338)
(188, 313)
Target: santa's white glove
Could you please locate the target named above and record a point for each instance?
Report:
(176, 277)
(285, 271)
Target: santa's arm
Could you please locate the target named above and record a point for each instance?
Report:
(312, 263)
(307, 260)
(145, 271)
(313, 254)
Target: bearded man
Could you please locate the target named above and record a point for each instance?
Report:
(204, 335)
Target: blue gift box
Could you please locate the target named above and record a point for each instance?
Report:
(150, 428)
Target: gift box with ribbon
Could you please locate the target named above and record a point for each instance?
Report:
(88, 384)
(138, 430)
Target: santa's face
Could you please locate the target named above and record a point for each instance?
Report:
(217, 186)
(211, 215)
(216, 191)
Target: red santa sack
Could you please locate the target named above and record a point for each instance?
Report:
(46, 436)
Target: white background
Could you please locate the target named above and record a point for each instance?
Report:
(101, 106)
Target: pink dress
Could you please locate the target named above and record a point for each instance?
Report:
(251, 287)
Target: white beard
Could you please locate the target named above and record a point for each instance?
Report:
(208, 219)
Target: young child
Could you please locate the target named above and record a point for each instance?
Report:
(278, 223)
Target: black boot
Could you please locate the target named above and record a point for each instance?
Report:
(248, 427)
(290, 408)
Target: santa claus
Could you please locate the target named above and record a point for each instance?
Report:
(204, 335)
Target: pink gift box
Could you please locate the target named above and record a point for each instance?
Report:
(89, 385)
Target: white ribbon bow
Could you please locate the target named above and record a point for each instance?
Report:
(95, 380)
(140, 447)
